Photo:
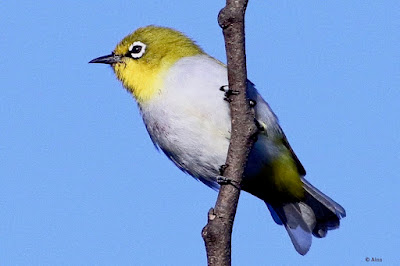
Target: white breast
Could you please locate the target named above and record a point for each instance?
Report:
(190, 119)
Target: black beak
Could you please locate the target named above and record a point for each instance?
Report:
(108, 59)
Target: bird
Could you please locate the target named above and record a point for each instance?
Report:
(181, 92)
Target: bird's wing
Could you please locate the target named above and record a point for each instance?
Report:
(269, 121)
(299, 166)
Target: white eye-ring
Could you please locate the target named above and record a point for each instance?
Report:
(137, 49)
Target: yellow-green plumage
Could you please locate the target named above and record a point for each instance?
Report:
(178, 88)
(144, 78)
(287, 180)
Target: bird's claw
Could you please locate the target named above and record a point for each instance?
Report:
(222, 88)
(228, 92)
(222, 180)
(227, 99)
(222, 169)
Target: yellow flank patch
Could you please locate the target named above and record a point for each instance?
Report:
(143, 76)
(286, 179)
(278, 181)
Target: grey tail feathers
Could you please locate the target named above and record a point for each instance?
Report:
(314, 216)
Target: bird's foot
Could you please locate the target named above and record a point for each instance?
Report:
(228, 92)
(222, 169)
(222, 180)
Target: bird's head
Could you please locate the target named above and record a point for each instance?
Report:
(142, 58)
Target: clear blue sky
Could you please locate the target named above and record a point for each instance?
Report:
(81, 183)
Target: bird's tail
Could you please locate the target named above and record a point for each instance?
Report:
(315, 215)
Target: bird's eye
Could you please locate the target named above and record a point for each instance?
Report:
(137, 49)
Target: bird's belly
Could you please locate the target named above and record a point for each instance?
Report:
(196, 143)
(199, 146)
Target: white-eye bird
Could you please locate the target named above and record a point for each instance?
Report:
(180, 93)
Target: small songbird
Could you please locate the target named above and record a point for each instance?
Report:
(181, 93)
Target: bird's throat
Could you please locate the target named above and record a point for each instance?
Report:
(142, 81)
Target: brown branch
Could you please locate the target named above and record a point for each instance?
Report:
(218, 231)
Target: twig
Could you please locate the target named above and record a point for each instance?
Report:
(218, 231)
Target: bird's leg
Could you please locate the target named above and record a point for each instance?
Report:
(222, 169)
(253, 103)
(223, 88)
(228, 92)
(227, 99)
(222, 180)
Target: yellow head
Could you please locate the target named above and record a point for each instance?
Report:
(142, 58)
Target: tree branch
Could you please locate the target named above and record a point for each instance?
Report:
(218, 231)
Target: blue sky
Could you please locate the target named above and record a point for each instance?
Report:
(81, 183)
